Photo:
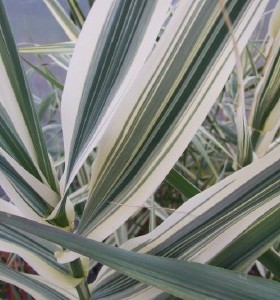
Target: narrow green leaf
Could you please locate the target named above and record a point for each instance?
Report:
(46, 75)
(63, 19)
(22, 96)
(188, 280)
(200, 146)
(76, 12)
(181, 184)
(271, 260)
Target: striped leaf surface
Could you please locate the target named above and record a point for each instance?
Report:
(115, 41)
(164, 108)
(252, 243)
(17, 102)
(188, 280)
(230, 223)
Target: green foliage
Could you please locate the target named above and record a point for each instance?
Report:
(153, 113)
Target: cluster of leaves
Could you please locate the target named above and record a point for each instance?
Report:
(144, 105)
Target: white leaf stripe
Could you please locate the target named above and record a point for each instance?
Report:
(168, 111)
(204, 230)
(128, 30)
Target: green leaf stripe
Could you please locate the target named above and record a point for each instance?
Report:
(247, 247)
(46, 75)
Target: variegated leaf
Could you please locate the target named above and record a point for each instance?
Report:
(164, 108)
(115, 41)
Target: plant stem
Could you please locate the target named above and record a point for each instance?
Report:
(78, 272)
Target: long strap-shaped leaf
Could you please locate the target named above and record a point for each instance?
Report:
(16, 98)
(63, 19)
(164, 108)
(212, 224)
(182, 279)
(115, 41)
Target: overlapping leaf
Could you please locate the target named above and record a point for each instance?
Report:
(31, 196)
(265, 119)
(38, 253)
(164, 108)
(63, 19)
(31, 285)
(229, 224)
(188, 280)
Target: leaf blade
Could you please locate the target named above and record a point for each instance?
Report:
(186, 278)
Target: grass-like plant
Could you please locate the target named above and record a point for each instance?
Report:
(135, 97)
